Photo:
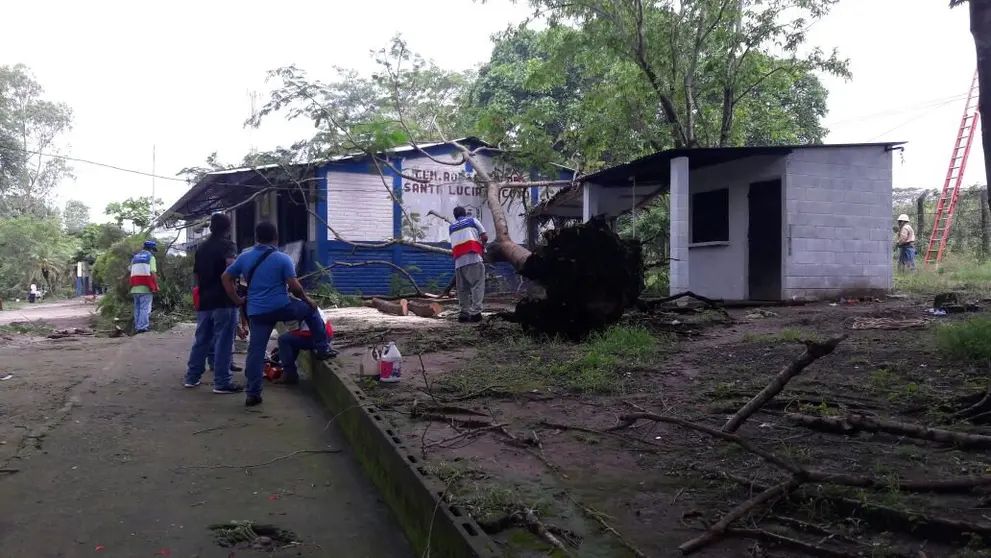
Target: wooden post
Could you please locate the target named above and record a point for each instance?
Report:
(920, 210)
(985, 239)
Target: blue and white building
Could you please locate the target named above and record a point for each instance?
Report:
(323, 208)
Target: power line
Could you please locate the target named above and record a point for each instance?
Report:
(89, 162)
(935, 103)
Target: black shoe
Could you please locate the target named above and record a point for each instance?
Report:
(475, 318)
(324, 355)
(236, 368)
(228, 389)
(463, 318)
(253, 400)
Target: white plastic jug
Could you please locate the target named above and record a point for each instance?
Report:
(390, 364)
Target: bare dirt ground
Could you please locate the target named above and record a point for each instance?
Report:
(104, 453)
(513, 424)
(60, 314)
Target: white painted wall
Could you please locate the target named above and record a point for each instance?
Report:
(359, 206)
(838, 237)
(719, 270)
(451, 186)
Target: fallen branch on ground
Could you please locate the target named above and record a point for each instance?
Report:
(885, 518)
(853, 423)
(455, 421)
(813, 351)
(788, 542)
(256, 465)
(600, 518)
(709, 303)
(539, 529)
(738, 512)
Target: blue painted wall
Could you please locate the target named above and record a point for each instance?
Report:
(429, 270)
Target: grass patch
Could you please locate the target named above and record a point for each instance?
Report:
(36, 328)
(953, 274)
(787, 335)
(968, 340)
(520, 364)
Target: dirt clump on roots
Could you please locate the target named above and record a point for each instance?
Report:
(587, 277)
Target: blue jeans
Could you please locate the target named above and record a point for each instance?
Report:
(214, 329)
(212, 352)
(289, 348)
(142, 311)
(260, 329)
(906, 257)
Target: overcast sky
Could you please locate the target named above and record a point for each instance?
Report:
(177, 76)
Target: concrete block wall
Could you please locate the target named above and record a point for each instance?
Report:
(838, 237)
(721, 270)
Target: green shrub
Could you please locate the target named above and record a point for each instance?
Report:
(966, 340)
(172, 304)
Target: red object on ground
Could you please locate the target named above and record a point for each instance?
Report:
(272, 373)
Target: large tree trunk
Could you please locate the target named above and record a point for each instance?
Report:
(980, 28)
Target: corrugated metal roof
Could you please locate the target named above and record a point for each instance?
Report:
(215, 189)
(655, 168)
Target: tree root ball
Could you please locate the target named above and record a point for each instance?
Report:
(589, 276)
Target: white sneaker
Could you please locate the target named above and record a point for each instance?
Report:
(189, 385)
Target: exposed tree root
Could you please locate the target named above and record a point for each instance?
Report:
(853, 423)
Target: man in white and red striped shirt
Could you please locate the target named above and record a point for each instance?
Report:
(468, 240)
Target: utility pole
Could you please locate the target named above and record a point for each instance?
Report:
(152, 181)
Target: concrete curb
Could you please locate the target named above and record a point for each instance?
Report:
(404, 484)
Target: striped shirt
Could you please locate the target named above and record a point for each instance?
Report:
(466, 241)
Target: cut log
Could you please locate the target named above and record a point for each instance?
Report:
(397, 308)
(425, 309)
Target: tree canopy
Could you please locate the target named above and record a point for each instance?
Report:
(30, 126)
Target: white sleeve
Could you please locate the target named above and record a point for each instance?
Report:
(478, 225)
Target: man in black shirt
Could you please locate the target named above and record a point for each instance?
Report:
(216, 317)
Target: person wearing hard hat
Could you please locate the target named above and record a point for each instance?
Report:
(906, 244)
(144, 283)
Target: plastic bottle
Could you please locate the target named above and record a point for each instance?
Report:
(390, 364)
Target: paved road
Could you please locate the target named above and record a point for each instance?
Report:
(114, 458)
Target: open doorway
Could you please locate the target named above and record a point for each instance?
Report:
(293, 218)
(764, 240)
(244, 224)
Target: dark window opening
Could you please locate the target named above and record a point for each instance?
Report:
(710, 216)
(293, 219)
(244, 219)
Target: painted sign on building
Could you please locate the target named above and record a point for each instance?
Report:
(432, 186)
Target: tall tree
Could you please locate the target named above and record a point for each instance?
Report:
(980, 28)
(136, 211)
(29, 128)
(75, 216)
(559, 96)
(700, 60)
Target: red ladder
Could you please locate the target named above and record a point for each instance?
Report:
(954, 178)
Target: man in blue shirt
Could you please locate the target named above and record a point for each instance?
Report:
(271, 276)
